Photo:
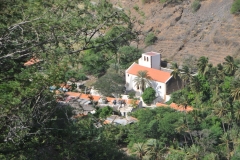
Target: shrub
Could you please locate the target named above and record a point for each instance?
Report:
(148, 95)
(235, 7)
(136, 7)
(103, 112)
(131, 95)
(195, 5)
(150, 39)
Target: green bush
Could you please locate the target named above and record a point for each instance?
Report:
(235, 7)
(148, 95)
(103, 112)
(150, 39)
(136, 7)
(195, 5)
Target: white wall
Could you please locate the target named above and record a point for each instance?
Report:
(150, 61)
(156, 61)
(130, 82)
(159, 87)
(145, 61)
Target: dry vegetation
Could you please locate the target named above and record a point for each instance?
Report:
(210, 31)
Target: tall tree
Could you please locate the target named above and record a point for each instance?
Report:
(229, 65)
(142, 80)
(186, 75)
(48, 31)
(176, 72)
(202, 65)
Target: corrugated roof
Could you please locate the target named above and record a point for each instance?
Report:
(155, 74)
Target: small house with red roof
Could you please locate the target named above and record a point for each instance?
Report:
(162, 80)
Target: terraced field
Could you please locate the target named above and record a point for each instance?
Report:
(212, 31)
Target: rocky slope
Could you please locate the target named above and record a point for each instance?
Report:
(212, 31)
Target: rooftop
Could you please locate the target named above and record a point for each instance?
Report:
(155, 74)
(31, 62)
(151, 53)
(176, 107)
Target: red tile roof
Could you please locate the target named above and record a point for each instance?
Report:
(31, 62)
(130, 101)
(87, 96)
(73, 94)
(176, 107)
(155, 74)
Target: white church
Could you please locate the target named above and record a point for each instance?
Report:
(162, 81)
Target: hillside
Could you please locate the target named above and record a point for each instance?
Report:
(212, 31)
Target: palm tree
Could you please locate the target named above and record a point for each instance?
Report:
(155, 150)
(202, 65)
(186, 75)
(195, 84)
(225, 142)
(229, 65)
(176, 72)
(193, 153)
(139, 149)
(236, 108)
(235, 89)
(142, 80)
(222, 105)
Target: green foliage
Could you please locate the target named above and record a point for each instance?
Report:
(77, 75)
(150, 39)
(136, 7)
(103, 112)
(235, 7)
(131, 95)
(149, 95)
(31, 125)
(195, 5)
(127, 55)
(110, 84)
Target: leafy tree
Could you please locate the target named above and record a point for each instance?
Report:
(94, 62)
(76, 75)
(127, 55)
(235, 7)
(110, 84)
(48, 31)
(149, 95)
(142, 80)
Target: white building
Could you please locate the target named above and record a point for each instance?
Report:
(162, 81)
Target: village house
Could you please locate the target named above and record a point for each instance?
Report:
(161, 79)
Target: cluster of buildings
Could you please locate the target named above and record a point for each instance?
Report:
(161, 81)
